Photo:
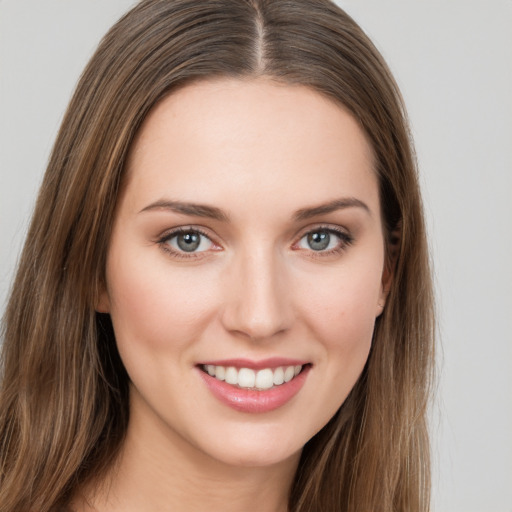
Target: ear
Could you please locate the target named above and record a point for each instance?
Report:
(388, 273)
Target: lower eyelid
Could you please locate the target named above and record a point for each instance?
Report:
(344, 240)
(344, 237)
(164, 241)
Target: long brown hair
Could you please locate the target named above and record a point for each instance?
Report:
(64, 392)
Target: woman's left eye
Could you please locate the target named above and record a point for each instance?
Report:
(190, 241)
(324, 240)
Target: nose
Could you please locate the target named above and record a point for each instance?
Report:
(258, 304)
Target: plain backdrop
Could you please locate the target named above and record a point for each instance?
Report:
(453, 61)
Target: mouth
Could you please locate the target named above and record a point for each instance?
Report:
(254, 387)
(249, 378)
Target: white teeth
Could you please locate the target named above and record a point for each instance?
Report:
(278, 376)
(220, 372)
(231, 375)
(264, 379)
(248, 378)
(289, 373)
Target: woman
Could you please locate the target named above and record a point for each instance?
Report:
(224, 299)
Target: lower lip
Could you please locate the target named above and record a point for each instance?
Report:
(253, 401)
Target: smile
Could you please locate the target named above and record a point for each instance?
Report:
(247, 378)
(251, 387)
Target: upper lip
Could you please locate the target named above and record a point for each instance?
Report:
(271, 362)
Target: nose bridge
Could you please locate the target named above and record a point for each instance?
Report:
(258, 304)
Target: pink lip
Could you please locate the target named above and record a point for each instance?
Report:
(272, 362)
(250, 400)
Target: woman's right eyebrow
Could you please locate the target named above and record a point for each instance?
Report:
(195, 209)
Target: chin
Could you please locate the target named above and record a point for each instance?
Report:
(257, 449)
(258, 458)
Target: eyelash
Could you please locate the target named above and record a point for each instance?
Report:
(345, 240)
(163, 241)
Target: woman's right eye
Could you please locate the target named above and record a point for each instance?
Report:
(188, 241)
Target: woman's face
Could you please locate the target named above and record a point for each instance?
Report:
(247, 247)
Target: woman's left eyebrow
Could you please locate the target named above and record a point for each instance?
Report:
(198, 210)
(329, 207)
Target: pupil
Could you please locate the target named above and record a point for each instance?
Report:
(188, 242)
(319, 241)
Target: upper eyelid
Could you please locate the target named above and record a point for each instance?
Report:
(345, 236)
(345, 241)
(163, 240)
(166, 236)
(214, 238)
(169, 233)
(324, 227)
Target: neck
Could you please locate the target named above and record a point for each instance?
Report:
(166, 473)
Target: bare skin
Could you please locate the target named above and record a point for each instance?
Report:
(137, 483)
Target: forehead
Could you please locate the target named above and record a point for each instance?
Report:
(250, 137)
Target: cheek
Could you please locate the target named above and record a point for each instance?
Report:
(154, 308)
(340, 308)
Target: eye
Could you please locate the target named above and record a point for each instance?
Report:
(188, 241)
(324, 240)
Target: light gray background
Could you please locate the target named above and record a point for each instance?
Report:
(453, 61)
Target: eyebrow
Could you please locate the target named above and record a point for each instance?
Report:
(212, 212)
(331, 206)
(197, 210)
